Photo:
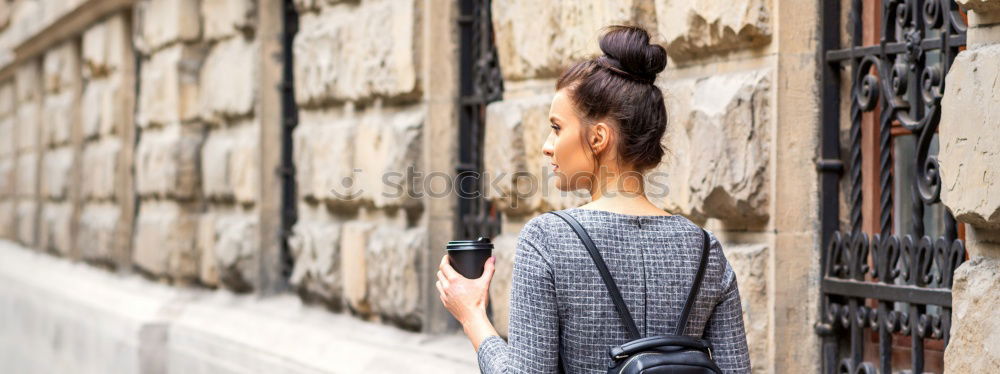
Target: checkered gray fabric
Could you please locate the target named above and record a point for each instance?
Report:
(560, 311)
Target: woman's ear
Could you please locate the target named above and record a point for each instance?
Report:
(600, 137)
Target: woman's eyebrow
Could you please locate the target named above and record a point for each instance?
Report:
(553, 119)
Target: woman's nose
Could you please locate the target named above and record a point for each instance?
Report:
(548, 148)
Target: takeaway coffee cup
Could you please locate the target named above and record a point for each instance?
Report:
(469, 256)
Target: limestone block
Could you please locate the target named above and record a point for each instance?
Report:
(208, 271)
(504, 248)
(304, 6)
(519, 177)
(696, 29)
(54, 9)
(8, 99)
(394, 273)
(168, 21)
(353, 264)
(167, 162)
(4, 14)
(719, 139)
(61, 67)
(315, 245)
(169, 87)
(224, 18)
(8, 138)
(324, 148)
(98, 229)
(229, 169)
(237, 251)
(28, 82)
(99, 109)
(979, 6)
(387, 149)
(7, 177)
(970, 180)
(100, 166)
(28, 125)
(750, 263)
(228, 79)
(975, 330)
(350, 52)
(54, 232)
(104, 47)
(56, 167)
(537, 38)
(26, 222)
(59, 116)
(164, 241)
(27, 171)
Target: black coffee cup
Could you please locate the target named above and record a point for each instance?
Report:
(468, 257)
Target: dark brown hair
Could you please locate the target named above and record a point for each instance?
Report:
(617, 87)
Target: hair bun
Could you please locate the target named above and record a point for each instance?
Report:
(627, 48)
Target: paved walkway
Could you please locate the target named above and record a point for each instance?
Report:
(57, 316)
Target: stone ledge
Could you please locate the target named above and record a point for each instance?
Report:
(112, 323)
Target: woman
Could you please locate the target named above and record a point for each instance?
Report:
(607, 122)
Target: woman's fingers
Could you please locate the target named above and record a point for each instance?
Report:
(488, 270)
(448, 271)
(442, 280)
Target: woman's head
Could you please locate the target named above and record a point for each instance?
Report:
(607, 113)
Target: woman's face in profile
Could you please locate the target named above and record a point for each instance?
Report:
(564, 145)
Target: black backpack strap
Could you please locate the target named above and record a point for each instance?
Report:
(616, 295)
(682, 322)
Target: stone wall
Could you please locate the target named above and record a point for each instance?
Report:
(358, 242)
(970, 188)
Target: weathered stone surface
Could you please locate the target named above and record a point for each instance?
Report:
(26, 222)
(750, 263)
(389, 148)
(245, 163)
(167, 162)
(99, 106)
(315, 245)
(324, 147)
(54, 231)
(228, 79)
(354, 240)
(353, 52)
(394, 273)
(8, 99)
(164, 242)
(229, 169)
(504, 248)
(970, 180)
(56, 165)
(98, 228)
(8, 138)
(7, 177)
(28, 82)
(537, 38)
(105, 47)
(236, 250)
(208, 270)
(61, 67)
(167, 21)
(980, 6)
(27, 171)
(974, 323)
(100, 165)
(59, 115)
(519, 176)
(718, 141)
(695, 29)
(28, 125)
(169, 92)
(223, 18)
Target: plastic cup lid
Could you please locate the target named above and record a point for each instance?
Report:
(480, 243)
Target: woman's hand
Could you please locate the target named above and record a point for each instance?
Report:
(466, 299)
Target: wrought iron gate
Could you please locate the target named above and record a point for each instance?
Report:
(480, 83)
(887, 262)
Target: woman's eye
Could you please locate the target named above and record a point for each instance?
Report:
(555, 127)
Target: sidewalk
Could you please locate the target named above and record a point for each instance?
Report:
(63, 317)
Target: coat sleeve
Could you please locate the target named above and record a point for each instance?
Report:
(725, 329)
(533, 344)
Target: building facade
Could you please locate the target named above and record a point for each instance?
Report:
(200, 167)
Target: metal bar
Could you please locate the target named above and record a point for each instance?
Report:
(290, 119)
(888, 292)
(840, 55)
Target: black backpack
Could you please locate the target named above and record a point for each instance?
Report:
(653, 354)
